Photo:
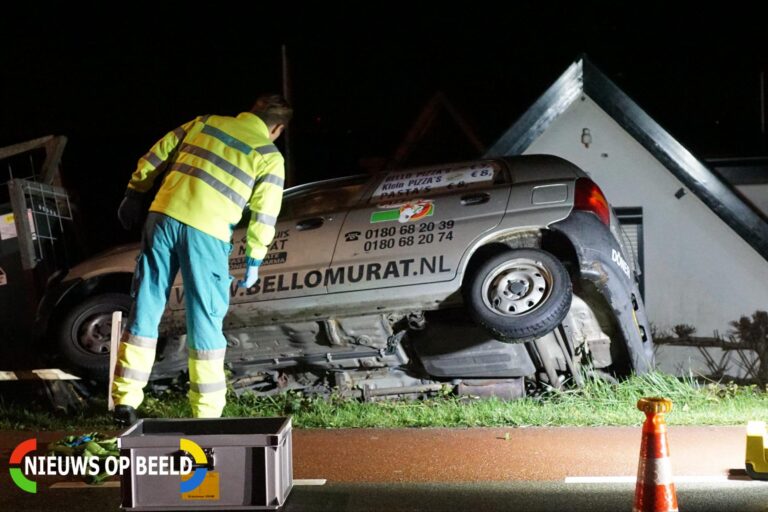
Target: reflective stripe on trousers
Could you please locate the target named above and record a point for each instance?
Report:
(135, 357)
(167, 247)
(207, 382)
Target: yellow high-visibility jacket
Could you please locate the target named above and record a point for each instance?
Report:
(217, 166)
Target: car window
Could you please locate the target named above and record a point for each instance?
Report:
(324, 197)
(430, 181)
(318, 198)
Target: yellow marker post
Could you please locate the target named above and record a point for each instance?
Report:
(756, 465)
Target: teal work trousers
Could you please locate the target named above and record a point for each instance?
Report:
(169, 246)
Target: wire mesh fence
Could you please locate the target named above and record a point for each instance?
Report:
(42, 214)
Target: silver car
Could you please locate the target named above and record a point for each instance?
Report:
(482, 276)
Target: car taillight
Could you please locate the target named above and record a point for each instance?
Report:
(590, 198)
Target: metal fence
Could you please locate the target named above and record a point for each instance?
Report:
(41, 213)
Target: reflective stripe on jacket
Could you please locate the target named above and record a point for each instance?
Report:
(217, 166)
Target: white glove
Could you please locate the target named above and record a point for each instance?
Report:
(251, 273)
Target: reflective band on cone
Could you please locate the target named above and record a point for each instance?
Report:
(662, 470)
(655, 490)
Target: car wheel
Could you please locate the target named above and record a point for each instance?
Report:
(519, 295)
(84, 334)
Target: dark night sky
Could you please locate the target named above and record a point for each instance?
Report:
(114, 82)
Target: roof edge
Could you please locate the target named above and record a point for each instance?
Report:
(535, 121)
(748, 222)
(583, 77)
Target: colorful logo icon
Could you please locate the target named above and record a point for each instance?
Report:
(21, 481)
(198, 455)
(407, 212)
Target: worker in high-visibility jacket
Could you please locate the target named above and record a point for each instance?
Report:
(212, 168)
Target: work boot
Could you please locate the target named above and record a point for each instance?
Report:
(124, 415)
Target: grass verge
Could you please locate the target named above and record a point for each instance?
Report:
(598, 403)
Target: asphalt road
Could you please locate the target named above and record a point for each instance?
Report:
(443, 496)
(536, 469)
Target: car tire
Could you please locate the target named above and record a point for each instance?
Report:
(84, 334)
(519, 295)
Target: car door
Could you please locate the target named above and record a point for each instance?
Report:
(416, 224)
(299, 257)
(308, 226)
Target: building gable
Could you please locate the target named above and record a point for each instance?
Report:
(583, 78)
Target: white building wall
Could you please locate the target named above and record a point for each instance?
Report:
(708, 361)
(698, 271)
(757, 194)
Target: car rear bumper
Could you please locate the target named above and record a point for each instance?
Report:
(602, 262)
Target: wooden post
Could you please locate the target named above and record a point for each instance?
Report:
(114, 341)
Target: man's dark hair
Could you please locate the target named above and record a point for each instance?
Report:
(273, 109)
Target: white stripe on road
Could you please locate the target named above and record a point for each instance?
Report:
(632, 479)
(310, 481)
(8, 376)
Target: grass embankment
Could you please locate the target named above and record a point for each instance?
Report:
(596, 404)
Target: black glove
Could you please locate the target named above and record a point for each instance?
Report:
(132, 210)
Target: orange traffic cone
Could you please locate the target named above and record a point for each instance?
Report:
(655, 491)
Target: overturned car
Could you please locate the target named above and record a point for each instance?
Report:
(482, 276)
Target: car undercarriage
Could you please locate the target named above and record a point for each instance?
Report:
(402, 354)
